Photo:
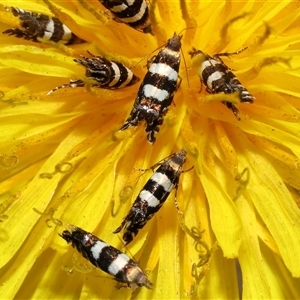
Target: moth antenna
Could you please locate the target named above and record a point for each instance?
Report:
(190, 27)
(146, 57)
(186, 72)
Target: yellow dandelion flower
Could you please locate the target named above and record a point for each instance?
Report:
(64, 160)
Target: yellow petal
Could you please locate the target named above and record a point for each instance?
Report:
(274, 204)
(255, 282)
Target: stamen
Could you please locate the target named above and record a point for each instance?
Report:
(265, 36)
(13, 102)
(243, 180)
(224, 31)
(124, 195)
(55, 221)
(61, 167)
(98, 14)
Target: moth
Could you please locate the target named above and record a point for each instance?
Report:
(134, 13)
(106, 257)
(157, 90)
(218, 78)
(34, 25)
(105, 73)
(153, 195)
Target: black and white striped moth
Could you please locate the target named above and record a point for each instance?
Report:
(157, 90)
(105, 73)
(218, 78)
(153, 195)
(34, 25)
(134, 13)
(106, 257)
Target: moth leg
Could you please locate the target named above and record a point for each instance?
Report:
(176, 189)
(150, 61)
(178, 83)
(208, 90)
(233, 108)
(201, 85)
(187, 170)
